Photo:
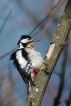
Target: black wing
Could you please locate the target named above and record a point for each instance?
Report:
(15, 62)
(26, 76)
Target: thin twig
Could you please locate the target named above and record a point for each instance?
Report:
(3, 56)
(1, 29)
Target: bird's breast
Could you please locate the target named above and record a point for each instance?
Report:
(36, 59)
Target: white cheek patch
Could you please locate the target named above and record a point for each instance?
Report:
(24, 41)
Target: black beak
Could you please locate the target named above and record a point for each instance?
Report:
(33, 41)
(36, 40)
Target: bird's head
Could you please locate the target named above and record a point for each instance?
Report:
(26, 41)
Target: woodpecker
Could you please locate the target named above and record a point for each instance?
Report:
(27, 60)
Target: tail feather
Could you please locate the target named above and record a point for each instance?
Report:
(29, 86)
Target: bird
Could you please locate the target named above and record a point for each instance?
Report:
(27, 60)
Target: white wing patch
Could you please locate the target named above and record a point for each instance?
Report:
(21, 60)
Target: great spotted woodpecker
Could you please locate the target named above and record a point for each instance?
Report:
(27, 60)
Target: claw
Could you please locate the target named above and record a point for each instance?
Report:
(44, 68)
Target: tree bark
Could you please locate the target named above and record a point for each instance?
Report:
(57, 45)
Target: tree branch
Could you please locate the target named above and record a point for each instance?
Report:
(56, 47)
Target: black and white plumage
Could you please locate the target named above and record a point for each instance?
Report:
(27, 60)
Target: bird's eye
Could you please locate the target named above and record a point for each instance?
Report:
(28, 38)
